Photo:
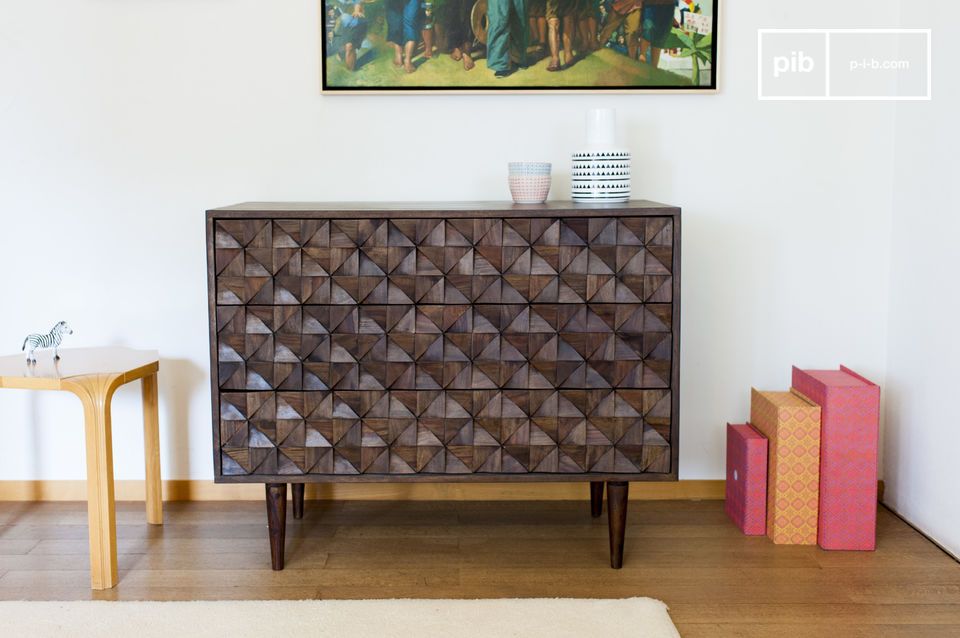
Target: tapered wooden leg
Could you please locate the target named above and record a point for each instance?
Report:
(298, 500)
(617, 519)
(151, 449)
(95, 392)
(596, 498)
(277, 521)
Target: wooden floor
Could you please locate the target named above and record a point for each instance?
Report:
(716, 581)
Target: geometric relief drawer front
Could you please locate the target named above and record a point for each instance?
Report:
(444, 346)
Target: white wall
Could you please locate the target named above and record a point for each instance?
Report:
(121, 122)
(923, 426)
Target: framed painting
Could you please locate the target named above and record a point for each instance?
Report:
(519, 45)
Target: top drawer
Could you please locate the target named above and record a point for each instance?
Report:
(434, 261)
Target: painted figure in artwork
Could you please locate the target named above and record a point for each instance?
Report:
(507, 36)
(404, 20)
(50, 340)
(626, 14)
(557, 11)
(538, 25)
(426, 28)
(348, 35)
(587, 22)
(657, 19)
(458, 31)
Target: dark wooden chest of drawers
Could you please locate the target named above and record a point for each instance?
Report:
(444, 342)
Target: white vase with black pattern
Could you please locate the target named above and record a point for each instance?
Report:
(601, 172)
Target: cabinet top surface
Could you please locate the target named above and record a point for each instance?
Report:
(632, 208)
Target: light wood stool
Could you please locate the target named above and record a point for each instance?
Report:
(94, 374)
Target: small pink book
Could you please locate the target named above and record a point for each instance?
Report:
(746, 503)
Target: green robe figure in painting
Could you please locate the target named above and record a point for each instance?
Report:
(507, 31)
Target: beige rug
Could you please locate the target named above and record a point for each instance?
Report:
(523, 618)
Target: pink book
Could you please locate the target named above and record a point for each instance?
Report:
(850, 423)
(746, 503)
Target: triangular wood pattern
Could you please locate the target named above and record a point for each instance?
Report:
(459, 346)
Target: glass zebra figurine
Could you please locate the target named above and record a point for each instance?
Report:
(50, 340)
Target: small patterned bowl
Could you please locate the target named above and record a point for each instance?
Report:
(529, 168)
(529, 189)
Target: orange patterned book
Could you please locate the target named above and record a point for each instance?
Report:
(792, 426)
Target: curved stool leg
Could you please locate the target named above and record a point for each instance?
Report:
(95, 392)
(151, 450)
